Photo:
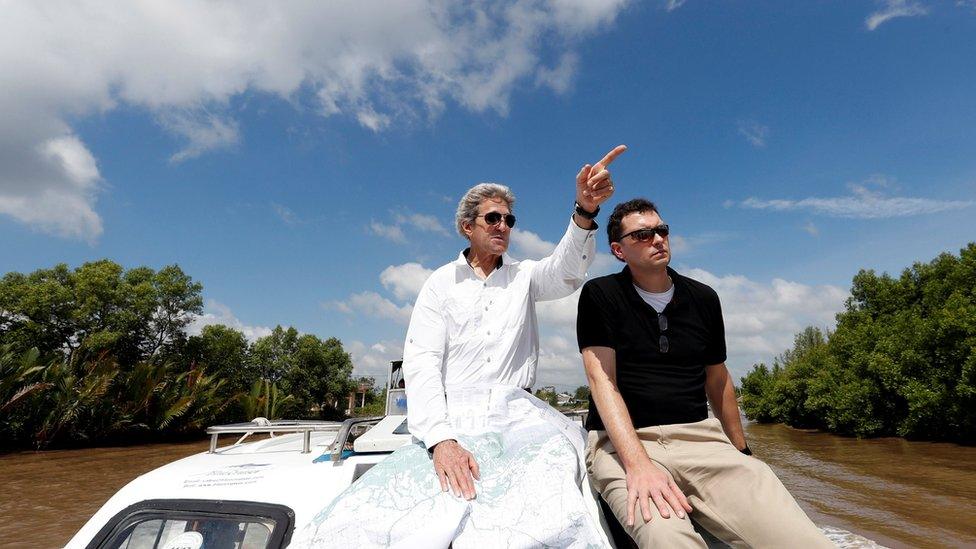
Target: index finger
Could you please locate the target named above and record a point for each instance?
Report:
(612, 155)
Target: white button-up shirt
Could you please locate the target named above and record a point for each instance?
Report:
(465, 331)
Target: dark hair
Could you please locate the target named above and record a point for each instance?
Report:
(634, 205)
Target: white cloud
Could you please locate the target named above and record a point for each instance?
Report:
(374, 360)
(286, 214)
(405, 280)
(202, 131)
(421, 222)
(762, 318)
(811, 229)
(674, 4)
(53, 185)
(891, 9)
(754, 132)
(218, 313)
(186, 63)
(559, 78)
(528, 245)
(374, 305)
(390, 232)
(863, 203)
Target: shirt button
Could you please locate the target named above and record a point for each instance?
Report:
(488, 359)
(584, 256)
(489, 332)
(486, 308)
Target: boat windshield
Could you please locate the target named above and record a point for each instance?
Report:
(197, 526)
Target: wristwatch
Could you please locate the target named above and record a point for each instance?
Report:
(588, 215)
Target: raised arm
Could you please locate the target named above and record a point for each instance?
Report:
(564, 270)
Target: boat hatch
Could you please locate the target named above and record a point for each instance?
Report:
(195, 524)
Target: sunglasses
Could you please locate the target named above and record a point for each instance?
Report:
(645, 235)
(494, 218)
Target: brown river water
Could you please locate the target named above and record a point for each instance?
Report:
(894, 492)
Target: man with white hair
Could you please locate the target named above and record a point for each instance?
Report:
(493, 466)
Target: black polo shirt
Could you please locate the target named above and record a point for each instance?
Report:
(658, 388)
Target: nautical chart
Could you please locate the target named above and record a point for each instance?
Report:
(528, 496)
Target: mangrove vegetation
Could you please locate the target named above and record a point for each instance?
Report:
(901, 361)
(100, 353)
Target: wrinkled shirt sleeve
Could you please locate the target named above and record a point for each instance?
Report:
(564, 270)
(423, 365)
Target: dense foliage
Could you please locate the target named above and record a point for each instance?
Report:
(902, 360)
(100, 352)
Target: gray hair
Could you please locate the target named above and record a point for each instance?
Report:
(467, 210)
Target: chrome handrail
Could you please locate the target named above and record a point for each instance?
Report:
(261, 425)
(343, 436)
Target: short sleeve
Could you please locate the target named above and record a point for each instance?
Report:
(593, 328)
(716, 352)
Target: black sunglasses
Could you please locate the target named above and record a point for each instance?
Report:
(644, 235)
(493, 218)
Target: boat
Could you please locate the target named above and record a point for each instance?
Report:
(253, 493)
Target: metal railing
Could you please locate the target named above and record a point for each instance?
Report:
(343, 436)
(261, 425)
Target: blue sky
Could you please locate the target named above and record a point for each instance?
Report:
(304, 161)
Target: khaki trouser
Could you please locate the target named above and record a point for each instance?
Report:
(735, 497)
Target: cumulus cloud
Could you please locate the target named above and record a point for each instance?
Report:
(762, 318)
(413, 221)
(754, 132)
(373, 360)
(373, 305)
(421, 222)
(866, 201)
(891, 9)
(392, 233)
(215, 312)
(186, 63)
(528, 245)
(405, 280)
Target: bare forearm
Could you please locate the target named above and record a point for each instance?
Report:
(721, 395)
(615, 417)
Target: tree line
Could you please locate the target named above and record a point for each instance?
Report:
(99, 352)
(901, 361)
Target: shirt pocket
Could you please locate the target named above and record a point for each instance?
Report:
(463, 316)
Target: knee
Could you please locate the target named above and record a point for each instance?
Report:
(661, 532)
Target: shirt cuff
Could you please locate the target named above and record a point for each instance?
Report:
(438, 434)
(580, 233)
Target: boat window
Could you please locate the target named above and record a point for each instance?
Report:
(215, 532)
(189, 524)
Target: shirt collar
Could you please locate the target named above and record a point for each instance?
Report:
(626, 280)
(462, 259)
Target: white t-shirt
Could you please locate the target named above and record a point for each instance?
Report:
(657, 300)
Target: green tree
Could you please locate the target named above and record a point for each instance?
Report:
(317, 372)
(225, 353)
(582, 393)
(98, 307)
(902, 360)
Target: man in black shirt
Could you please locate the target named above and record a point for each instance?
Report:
(653, 345)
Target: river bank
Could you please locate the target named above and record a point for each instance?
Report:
(898, 493)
